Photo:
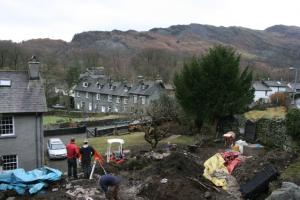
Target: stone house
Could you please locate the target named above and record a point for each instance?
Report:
(98, 93)
(22, 104)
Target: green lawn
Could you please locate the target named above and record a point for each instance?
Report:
(55, 119)
(277, 112)
(131, 140)
(292, 173)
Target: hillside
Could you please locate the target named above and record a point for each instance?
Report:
(162, 50)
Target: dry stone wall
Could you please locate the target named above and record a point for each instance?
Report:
(272, 132)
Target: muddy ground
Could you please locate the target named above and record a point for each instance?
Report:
(177, 176)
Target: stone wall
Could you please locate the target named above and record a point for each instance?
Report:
(272, 132)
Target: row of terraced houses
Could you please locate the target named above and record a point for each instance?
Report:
(97, 92)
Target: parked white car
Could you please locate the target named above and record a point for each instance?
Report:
(56, 148)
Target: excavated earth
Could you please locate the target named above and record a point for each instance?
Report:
(177, 177)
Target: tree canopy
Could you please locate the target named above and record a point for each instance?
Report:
(212, 86)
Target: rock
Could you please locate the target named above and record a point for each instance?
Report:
(54, 189)
(10, 198)
(207, 195)
(288, 190)
(68, 186)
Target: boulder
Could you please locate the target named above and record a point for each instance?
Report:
(288, 190)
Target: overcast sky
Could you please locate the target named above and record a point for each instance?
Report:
(61, 19)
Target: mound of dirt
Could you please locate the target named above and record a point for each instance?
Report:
(247, 170)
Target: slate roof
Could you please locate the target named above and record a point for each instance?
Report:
(259, 86)
(151, 87)
(23, 96)
(276, 83)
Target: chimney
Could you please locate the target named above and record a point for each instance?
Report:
(33, 69)
(140, 79)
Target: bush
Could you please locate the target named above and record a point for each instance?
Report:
(279, 99)
(293, 123)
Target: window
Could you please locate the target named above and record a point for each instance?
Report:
(95, 106)
(102, 108)
(125, 101)
(6, 125)
(90, 107)
(10, 162)
(109, 109)
(118, 100)
(134, 98)
(99, 85)
(98, 97)
(116, 109)
(78, 94)
(85, 84)
(5, 83)
(87, 95)
(125, 89)
(143, 99)
(78, 106)
(109, 98)
(82, 105)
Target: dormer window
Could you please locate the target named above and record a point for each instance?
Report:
(125, 88)
(5, 83)
(112, 87)
(85, 84)
(144, 87)
(99, 86)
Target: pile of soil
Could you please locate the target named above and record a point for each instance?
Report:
(171, 177)
(247, 170)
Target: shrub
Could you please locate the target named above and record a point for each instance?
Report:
(293, 123)
(279, 99)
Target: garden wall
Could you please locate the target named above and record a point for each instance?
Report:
(272, 132)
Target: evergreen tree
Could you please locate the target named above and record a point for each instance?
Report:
(212, 87)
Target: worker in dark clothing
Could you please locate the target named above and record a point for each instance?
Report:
(110, 185)
(72, 155)
(86, 152)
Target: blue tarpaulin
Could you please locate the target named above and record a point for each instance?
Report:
(33, 181)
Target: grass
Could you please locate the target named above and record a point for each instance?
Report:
(132, 140)
(269, 113)
(292, 173)
(55, 119)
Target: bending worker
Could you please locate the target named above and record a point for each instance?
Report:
(110, 185)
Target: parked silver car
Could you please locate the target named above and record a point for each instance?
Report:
(56, 149)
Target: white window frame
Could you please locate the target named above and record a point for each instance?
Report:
(125, 100)
(143, 99)
(5, 83)
(87, 95)
(85, 84)
(98, 96)
(135, 98)
(90, 106)
(78, 94)
(13, 126)
(11, 162)
(103, 109)
(82, 104)
(125, 89)
(109, 108)
(109, 98)
(78, 106)
(118, 99)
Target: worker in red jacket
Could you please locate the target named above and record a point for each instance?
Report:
(72, 155)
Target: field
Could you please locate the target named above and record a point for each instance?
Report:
(277, 112)
(133, 140)
(56, 119)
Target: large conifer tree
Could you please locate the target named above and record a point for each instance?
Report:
(212, 86)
